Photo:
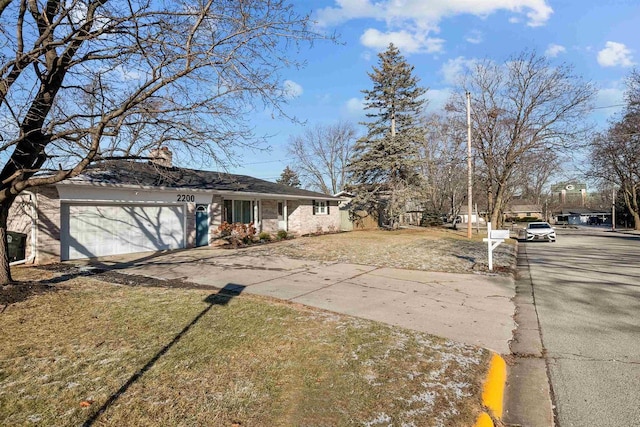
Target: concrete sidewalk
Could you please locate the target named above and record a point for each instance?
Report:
(471, 308)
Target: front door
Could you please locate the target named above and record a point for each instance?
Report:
(202, 225)
(282, 215)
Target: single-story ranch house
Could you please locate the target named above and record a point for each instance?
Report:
(120, 207)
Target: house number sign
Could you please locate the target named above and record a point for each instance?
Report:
(186, 198)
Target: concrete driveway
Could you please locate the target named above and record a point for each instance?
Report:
(471, 308)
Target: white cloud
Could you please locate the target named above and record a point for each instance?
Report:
(427, 14)
(414, 21)
(438, 98)
(125, 73)
(474, 37)
(292, 89)
(615, 54)
(405, 41)
(554, 50)
(354, 107)
(453, 69)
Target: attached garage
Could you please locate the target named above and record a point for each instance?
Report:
(89, 230)
(126, 207)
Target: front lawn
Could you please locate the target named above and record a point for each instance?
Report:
(418, 248)
(89, 351)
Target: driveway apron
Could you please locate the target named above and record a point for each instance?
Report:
(471, 308)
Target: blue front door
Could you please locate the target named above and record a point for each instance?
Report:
(202, 225)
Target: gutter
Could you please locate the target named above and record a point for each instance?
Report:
(255, 194)
(34, 228)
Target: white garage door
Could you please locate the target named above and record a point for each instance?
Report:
(94, 231)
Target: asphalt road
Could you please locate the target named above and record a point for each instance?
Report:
(587, 295)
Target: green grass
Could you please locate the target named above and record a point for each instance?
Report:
(250, 362)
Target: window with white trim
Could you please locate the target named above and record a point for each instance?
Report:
(320, 207)
(239, 211)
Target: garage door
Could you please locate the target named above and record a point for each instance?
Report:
(94, 231)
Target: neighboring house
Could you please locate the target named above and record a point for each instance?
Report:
(581, 216)
(463, 216)
(121, 207)
(523, 211)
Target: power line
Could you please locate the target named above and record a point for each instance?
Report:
(606, 106)
(265, 162)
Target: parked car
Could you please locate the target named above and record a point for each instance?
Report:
(539, 231)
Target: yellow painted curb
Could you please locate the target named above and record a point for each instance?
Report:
(484, 420)
(493, 392)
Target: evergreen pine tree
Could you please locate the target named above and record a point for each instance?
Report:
(383, 166)
(289, 177)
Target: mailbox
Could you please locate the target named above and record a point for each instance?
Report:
(499, 234)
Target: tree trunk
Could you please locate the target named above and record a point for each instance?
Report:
(636, 220)
(5, 269)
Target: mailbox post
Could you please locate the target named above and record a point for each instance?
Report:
(493, 239)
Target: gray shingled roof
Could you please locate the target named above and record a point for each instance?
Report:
(122, 172)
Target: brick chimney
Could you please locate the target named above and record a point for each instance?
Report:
(161, 156)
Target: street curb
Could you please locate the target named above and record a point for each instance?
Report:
(493, 392)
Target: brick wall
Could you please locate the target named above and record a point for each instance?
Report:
(303, 221)
(20, 219)
(270, 216)
(191, 225)
(48, 225)
(215, 216)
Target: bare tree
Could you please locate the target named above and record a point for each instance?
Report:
(531, 180)
(89, 80)
(615, 154)
(521, 109)
(442, 164)
(321, 154)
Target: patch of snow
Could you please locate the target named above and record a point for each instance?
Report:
(428, 397)
(382, 418)
(35, 418)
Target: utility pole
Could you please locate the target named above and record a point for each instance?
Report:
(613, 209)
(469, 173)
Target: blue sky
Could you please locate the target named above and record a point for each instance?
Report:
(599, 38)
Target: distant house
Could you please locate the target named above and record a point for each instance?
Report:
(464, 216)
(523, 211)
(581, 216)
(123, 207)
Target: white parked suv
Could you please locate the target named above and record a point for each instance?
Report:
(539, 231)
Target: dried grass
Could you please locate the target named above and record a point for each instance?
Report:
(429, 249)
(249, 361)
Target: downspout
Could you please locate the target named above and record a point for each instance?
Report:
(34, 228)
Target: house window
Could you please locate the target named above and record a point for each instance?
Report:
(320, 207)
(238, 211)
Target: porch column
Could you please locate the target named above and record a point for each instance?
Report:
(285, 214)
